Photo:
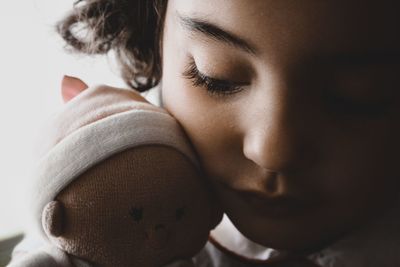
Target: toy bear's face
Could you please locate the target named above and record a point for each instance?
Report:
(143, 207)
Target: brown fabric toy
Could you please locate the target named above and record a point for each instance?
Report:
(117, 187)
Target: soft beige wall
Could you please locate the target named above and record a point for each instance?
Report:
(32, 63)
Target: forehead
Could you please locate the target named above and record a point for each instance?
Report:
(302, 27)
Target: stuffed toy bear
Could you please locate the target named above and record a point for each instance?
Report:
(118, 186)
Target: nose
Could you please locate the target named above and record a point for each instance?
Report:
(158, 236)
(276, 132)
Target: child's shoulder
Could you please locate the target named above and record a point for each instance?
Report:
(375, 245)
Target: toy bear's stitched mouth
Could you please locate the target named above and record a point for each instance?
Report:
(158, 236)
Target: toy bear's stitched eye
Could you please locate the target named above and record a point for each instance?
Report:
(136, 214)
(180, 213)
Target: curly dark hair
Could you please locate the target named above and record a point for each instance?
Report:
(130, 28)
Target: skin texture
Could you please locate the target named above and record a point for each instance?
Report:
(312, 136)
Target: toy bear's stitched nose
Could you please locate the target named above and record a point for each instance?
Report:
(158, 236)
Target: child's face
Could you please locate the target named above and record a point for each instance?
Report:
(293, 107)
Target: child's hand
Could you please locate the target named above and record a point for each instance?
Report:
(86, 105)
(71, 87)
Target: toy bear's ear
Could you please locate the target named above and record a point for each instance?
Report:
(53, 219)
(71, 87)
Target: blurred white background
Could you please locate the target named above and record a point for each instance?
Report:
(32, 63)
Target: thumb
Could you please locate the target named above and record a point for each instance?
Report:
(71, 87)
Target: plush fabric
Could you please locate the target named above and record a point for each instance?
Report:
(117, 184)
(95, 136)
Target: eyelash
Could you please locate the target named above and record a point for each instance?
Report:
(219, 88)
(214, 86)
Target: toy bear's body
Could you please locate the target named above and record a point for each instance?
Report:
(120, 187)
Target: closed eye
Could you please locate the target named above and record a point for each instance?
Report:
(214, 86)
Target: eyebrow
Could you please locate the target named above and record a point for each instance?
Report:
(213, 31)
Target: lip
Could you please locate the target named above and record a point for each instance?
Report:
(277, 207)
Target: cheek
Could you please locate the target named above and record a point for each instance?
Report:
(361, 166)
(209, 124)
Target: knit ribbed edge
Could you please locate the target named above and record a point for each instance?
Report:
(95, 142)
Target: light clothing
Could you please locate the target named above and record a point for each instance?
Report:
(48, 256)
(378, 244)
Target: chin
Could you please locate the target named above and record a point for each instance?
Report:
(292, 242)
(288, 235)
